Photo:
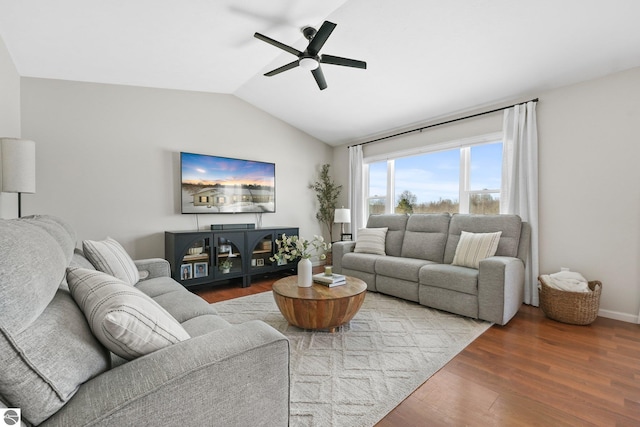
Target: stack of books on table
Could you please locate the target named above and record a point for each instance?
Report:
(330, 281)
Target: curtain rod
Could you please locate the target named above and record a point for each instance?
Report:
(442, 123)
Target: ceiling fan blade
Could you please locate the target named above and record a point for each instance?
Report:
(337, 60)
(279, 70)
(319, 76)
(320, 38)
(276, 43)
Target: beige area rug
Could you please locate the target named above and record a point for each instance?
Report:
(358, 374)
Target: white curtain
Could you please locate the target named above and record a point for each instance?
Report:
(519, 192)
(356, 190)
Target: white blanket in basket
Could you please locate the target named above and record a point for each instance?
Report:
(570, 281)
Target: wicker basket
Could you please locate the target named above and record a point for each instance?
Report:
(576, 308)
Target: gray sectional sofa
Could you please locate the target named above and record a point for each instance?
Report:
(54, 369)
(417, 265)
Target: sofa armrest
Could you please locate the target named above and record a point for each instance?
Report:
(235, 376)
(338, 250)
(500, 288)
(157, 267)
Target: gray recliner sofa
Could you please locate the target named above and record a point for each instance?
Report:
(55, 370)
(418, 266)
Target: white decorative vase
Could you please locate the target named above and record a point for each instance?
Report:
(304, 273)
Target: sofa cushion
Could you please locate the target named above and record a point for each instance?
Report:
(452, 277)
(360, 262)
(426, 236)
(46, 347)
(110, 257)
(42, 367)
(204, 324)
(509, 225)
(125, 320)
(396, 226)
(400, 267)
(35, 250)
(181, 304)
(79, 260)
(371, 241)
(474, 247)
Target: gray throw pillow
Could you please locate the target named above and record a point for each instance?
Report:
(125, 320)
(110, 257)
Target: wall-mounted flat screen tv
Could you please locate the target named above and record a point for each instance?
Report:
(212, 184)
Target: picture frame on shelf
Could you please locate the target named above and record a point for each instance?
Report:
(201, 269)
(186, 271)
(260, 262)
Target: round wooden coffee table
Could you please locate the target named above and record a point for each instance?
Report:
(319, 307)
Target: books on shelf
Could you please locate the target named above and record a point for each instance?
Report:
(330, 281)
(193, 257)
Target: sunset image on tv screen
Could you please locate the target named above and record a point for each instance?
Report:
(212, 184)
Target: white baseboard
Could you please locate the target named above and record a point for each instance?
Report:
(616, 315)
(625, 317)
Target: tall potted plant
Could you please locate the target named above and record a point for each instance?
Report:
(327, 193)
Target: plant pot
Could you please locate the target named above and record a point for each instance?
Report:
(225, 270)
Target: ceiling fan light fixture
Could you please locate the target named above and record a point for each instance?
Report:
(308, 64)
(310, 58)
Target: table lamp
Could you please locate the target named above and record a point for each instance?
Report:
(342, 216)
(18, 158)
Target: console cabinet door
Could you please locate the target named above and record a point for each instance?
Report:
(277, 235)
(190, 257)
(229, 254)
(261, 246)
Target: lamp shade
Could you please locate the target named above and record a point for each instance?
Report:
(342, 215)
(18, 165)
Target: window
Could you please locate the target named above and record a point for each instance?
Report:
(377, 185)
(427, 183)
(485, 176)
(465, 179)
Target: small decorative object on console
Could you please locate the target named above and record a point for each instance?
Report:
(226, 265)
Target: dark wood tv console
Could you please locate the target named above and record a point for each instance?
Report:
(198, 257)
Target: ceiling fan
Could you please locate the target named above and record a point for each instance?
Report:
(311, 59)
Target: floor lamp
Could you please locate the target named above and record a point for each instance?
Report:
(18, 158)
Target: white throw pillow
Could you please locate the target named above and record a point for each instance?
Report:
(371, 241)
(473, 247)
(125, 320)
(110, 257)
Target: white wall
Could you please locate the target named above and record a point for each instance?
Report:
(108, 158)
(9, 119)
(590, 186)
(589, 178)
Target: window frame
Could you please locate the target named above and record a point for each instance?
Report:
(463, 145)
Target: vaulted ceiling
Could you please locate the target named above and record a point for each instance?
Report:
(425, 58)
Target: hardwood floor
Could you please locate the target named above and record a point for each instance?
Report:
(532, 372)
